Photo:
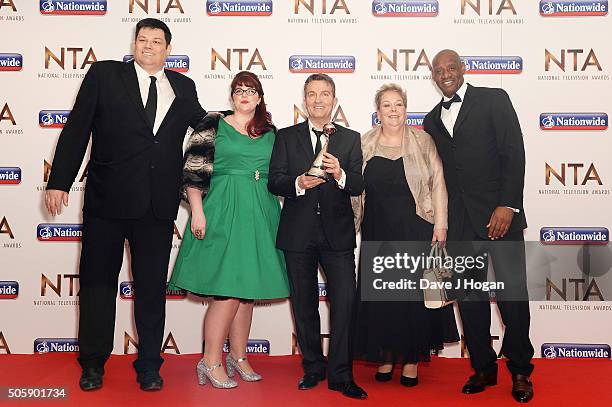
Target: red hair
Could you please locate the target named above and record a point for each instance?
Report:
(260, 123)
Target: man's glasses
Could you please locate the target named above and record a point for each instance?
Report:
(240, 91)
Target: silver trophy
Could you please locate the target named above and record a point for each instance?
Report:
(317, 169)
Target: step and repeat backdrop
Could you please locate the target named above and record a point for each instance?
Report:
(552, 57)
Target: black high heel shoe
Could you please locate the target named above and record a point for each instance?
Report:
(409, 381)
(383, 377)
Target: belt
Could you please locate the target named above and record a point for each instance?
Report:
(254, 174)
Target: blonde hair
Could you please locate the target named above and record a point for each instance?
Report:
(389, 87)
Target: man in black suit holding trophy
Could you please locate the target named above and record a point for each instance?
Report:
(317, 226)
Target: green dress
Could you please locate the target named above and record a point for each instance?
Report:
(237, 257)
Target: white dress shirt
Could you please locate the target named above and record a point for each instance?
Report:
(165, 94)
(313, 139)
(449, 117)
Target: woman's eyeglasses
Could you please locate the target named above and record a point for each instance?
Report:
(240, 91)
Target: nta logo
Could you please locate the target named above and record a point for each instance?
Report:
(144, 6)
(90, 57)
(502, 5)
(311, 6)
(590, 60)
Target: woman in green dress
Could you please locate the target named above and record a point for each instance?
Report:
(230, 253)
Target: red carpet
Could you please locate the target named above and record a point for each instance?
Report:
(558, 383)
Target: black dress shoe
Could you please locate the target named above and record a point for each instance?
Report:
(349, 389)
(522, 388)
(383, 377)
(309, 381)
(478, 382)
(91, 378)
(409, 381)
(150, 381)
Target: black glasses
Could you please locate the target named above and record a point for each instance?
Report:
(240, 91)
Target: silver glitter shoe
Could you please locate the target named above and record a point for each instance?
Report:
(204, 372)
(233, 366)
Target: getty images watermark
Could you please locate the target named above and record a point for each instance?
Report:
(406, 263)
(486, 270)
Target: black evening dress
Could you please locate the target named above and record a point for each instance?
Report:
(400, 331)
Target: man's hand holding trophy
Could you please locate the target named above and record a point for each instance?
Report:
(324, 167)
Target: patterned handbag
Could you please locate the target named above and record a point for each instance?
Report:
(439, 280)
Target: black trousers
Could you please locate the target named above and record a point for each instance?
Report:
(339, 269)
(509, 267)
(150, 241)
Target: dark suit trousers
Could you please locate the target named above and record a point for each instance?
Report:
(339, 269)
(150, 241)
(509, 267)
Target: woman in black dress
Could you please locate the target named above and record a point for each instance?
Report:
(404, 200)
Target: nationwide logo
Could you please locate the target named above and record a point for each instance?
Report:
(414, 119)
(260, 346)
(178, 63)
(74, 7)
(9, 290)
(493, 65)
(573, 121)
(55, 232)
(239, 7)
(322, 292)
(567, 8)
(46, 345)
(574, 235)
(11, 62)
(575, 350)
(320, 64)
(405, 8)
(10, 175)
(126, 292)
(53, 119)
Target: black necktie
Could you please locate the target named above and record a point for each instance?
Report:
(318, 133)
(151, 106)
(448, 103)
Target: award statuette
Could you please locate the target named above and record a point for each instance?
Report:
(317, 169)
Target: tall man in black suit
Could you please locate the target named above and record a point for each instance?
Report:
(317, 226)
(137, 114)
(479, 139)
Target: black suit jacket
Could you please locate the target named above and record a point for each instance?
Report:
(484, 161)
(292, 155)
(130, 168)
